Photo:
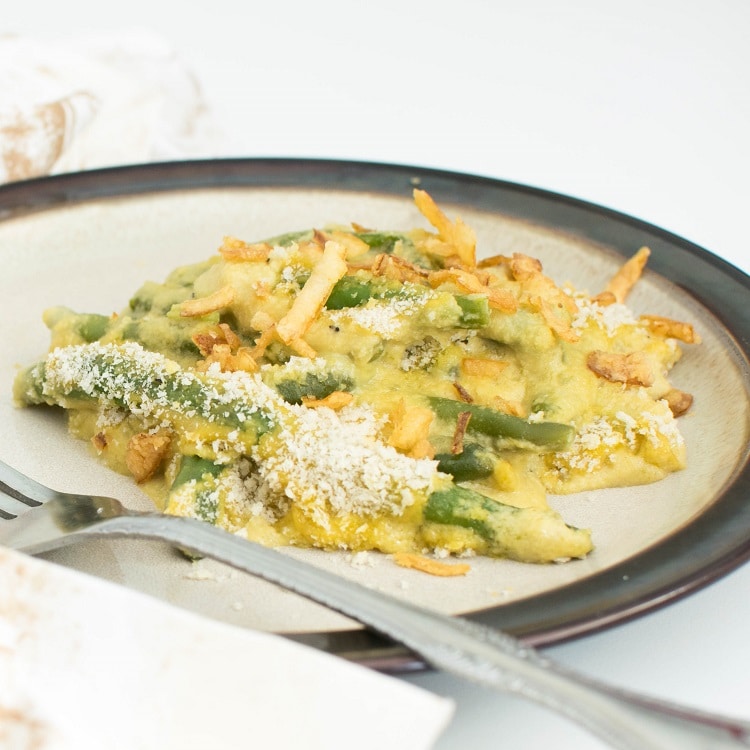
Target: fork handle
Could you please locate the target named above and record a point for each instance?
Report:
(623, 719)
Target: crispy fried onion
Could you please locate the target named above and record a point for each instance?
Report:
(493, 261)
(468, 281)
(398, 269)
(311, 299)
(206, 339)
(524, 267)
(542, 294)
(671, 329)
(528, 272)
(457, 236)
(236, 250)
(678, 401)
(145, 453)
(230, 361)
(555, 317)
(429, 565)
(221, 345)
(353, 244)
(218, 300)
(261, 288)
(626, 277)
(99, 441)
(463, 394)
(462, 424)
(604, 299)
(632, 368)
(266, 338)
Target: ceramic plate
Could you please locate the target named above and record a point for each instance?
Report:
(89, 240)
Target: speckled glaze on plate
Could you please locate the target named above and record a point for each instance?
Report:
(88, 240)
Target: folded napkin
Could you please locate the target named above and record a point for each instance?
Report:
(80, 102)
(86, 664)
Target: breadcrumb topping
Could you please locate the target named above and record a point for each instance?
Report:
(383, 317)
(325, 460)
(595, 442)
(608, 317)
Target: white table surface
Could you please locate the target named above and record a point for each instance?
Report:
(641, 106)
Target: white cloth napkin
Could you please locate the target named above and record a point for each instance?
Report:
(95, 100)
(86, 664)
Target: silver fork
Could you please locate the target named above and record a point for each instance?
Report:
(38, 519)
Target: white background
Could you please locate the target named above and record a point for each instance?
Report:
(642, 106)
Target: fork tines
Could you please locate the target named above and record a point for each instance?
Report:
(9, 499)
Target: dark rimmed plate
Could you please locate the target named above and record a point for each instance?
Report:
(704, 529)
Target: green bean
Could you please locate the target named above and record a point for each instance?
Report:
(524, 534)
(382, 242)
(313, 385)
(475, 310)
(551, 436)
(195, 492)
(195, 468)
(353, 291)
(85, 326)
(129, 377)
(159, 298)
(201, 474)
(349, 291)
(207, 505)
(474, 462)
(92, 326)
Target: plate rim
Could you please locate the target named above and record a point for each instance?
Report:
(687, 560)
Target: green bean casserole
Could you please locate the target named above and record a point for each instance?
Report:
(351, 388)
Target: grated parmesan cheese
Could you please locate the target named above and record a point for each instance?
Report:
(383, 317)
(652, 426)
(586, 452)
(334, 461)
(607, 317)
(595, 441)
